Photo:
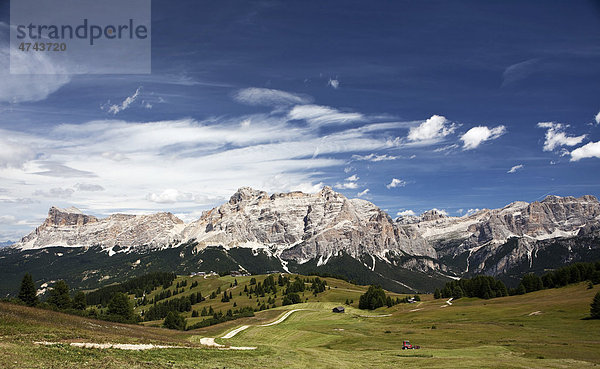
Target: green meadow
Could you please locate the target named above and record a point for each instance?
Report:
(544, 329)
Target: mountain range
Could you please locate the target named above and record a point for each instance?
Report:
(324, 233)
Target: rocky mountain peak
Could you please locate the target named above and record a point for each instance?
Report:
(328, 193)
(433, 214)
(71, 216)
(246, 194)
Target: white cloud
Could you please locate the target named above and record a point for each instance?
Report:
(137, 162)
(53, 169)
(269, 97)
(353, 178)
(34, 77)
(597, 118)
(472, 211)
(515, 168)
(446, 148)
(433, 128)
(12, 153)
(170, 196)
(589, 150)
(477, 135)
(374, 157)
(363, 193)
(556, 137)
(7, 219)
(88, 187)
(440, 211)
(396, 183)
(60, 193)
(405, 213)
(518, 71)
(347, 185)
(117, 108)
(333, 83)
(323, 115)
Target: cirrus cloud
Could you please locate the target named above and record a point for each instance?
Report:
(515, 168)
(269, 97)
(323, 115)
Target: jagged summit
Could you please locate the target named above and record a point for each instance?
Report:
(69, 210)
(67, 217)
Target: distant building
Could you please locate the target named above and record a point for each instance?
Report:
(338, 309)
(239, 273)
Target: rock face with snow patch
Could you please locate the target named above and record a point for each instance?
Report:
(71, 228)
(300, 227)
(483, 236)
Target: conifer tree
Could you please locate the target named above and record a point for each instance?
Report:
(595, 307)
(120, 306)
(59, 295)
(79, 302)
(27, 292)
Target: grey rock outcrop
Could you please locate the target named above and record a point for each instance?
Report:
(300, 227)
(71, 228)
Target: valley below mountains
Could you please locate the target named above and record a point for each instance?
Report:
(323, 233)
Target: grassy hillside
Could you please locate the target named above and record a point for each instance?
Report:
(337, 291)
(544, 329)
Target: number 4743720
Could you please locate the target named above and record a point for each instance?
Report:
(43, 46)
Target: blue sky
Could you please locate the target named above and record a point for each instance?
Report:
(466, 104)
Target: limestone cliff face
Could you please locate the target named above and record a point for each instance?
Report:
(66, 217)
(483, 235)
(554, 216)
(300, 227)
(71, 228)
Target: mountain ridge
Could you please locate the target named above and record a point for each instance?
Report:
(309, 232)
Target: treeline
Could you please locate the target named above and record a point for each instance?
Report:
(119, 307)
(484, 287)
(137, 286)
(220, 317)
(375, 297)
(487, 287)
(179, 305)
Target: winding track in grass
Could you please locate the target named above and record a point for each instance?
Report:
(210, 342)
